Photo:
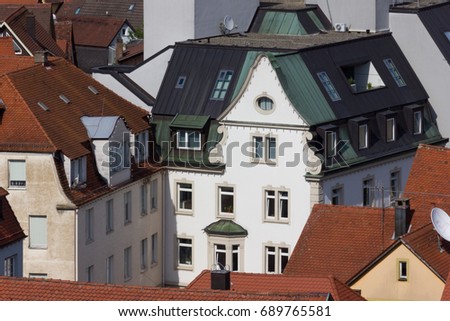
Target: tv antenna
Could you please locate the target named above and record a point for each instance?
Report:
(441, 222)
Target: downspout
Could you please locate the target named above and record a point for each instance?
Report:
(163, 232)
(76, 244)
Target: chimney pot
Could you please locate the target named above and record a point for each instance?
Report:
(402, 216)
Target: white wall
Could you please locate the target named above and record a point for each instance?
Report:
(427, 61)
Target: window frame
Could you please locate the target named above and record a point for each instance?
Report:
(264, 148)
(143, 191)
(154, 245)
(337, 192)
(417, 123)
(389, 63)
(89, 225)
(364, 142)
(234, 257)
(144, 254)
(109, 205)
(391, 129)
(127, 207)
(110, 269)
(153, 195)
(186, 133)
(78, 171)
(394, 191)
(127, 264)
(328, 86)
(22, 176)
(31, 238)
(276, 197)
(178, 189)
(222, 84)
(189, 246)
(330, 143)
(368, 192)
(403, 269)
(275, 253)
(221, 193)
(10, 266)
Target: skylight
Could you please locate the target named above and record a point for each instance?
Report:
(64, 99)
(131, 7)
(394, 72)
(43, 106)
(93, 90)
(328, 85)
(180, 82)
(222, 83)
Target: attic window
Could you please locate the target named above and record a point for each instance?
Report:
(93, 90)
(328, 85)
(77, 11)
(362, 77)
(394, 72)
(222, 83)
(64, 99)
(17, 49)
(131, 7)
(180, 82)
(43, 106)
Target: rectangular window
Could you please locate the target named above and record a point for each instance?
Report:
(235, 257)
(394, 186)
(330, 143)
(78, 171)
(188, 139)
(140, 146)
(363, 137)
(264, 148)
(110, 269)
(180, 82)
(144, 256)
(276, 205)
(144, 193)
(220, 255)
(276, 259)
(109, 216)
(38, 232)
(184, 252)
(222, 84)
(154, 194)
(271, 147)
(90, 273)
(226, 200)
(390, 129)
(368, 192)
(184, 191)
(336, 196)
(155, 248)
(127, 263)
(402, 270)
(328, 85)
(394, 72)
(258, 149)
(37, 275)
(17, 174)
(10, 268)
(89, 225)
(127, 207)
(417, 125)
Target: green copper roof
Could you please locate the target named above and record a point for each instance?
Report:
(302, 89)
(189, 121)
(281, 23)
(248, 63)
(225, 228)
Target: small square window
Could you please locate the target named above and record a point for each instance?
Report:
(180, 82)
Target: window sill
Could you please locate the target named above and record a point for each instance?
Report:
(226, 215)
(185, 267)
(278, 221)
(17, 188)
(187, 213)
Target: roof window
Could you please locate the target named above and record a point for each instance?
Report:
(64, 99)
(222, 83)
(328, 85)
(362, 77)
(394, 72)
(93, 90)
(131, 7)
(180, 82)
(43, 106)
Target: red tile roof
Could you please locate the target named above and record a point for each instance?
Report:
(96, 31)
(10, 230)
(22, 289)
(280, 284)
(341, 240)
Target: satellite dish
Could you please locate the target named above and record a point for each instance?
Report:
(228, 23)
(441, 222)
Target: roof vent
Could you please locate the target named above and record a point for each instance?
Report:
(93, 90)
(64, 99)
(43, 106)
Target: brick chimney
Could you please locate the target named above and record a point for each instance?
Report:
(41, 58)
(402, 216)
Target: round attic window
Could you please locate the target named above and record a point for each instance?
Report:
(265, 103)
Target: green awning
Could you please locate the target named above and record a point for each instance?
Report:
(189, 121)
(225, 228)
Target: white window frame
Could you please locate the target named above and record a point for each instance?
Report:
(144, 199)
(234, 251)
(78, 171)
(394, 185)
(144, 254)
(182, 187)
(223, 192)
(140, 146)
(403, 269)
(220, 250)
(363, 136)
(40, 241)
(264, 148)
(187, 243)
(154, 255)
(330, 143)
(110, 269)
(391, 129)
(17, 169)
(279, 254)
(276, 195)
(185, 144)
(127, 261)
(417, 122)
(109, 216)
(127, 207)
(153, 195)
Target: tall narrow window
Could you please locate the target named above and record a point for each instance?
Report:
(394, 185)
(17, 174)
(220, 255)
(283, 199)
(184, 252)
(235, 257)
(109, 216)
(127, 263)
(330, 143)
(222, 84)
(258, 150)
(283, 254)
(154, 194)
(144, 254)
(109, 269)
(10, 268)
(155, 248)
(89, 225)
(417, 125)
(336, 196)
(38, 232)
(90, 273)
(363, 137)
(402, 270)
(78, 171)
(184, 191)
(226, 200)
(394, 72)
(390, 130)
(368, 192)
(271, 145)
(270, 259)
(140, 148)
(144, 188)
(270, 204)
(127, 207)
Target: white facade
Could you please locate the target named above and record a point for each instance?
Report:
(106, 231)
(427, 61)
(249, 179)
(357, 15)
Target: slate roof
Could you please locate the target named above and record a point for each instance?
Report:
(341, 241)
(16, 18)
(280, 284)
(95, 31)
(22, 289)
(10, 230)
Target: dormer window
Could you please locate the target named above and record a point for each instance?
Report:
(77, 171)
(140, 149)
(363, 136)
(391, 129)
(222, 84)
(417, 122)
(362, 77)
(330, 143)
(188, 139)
